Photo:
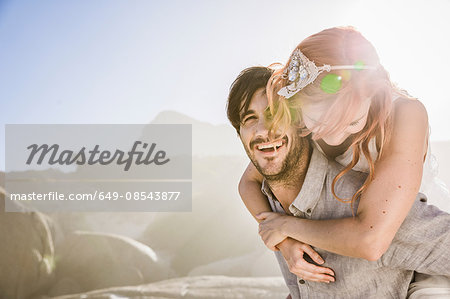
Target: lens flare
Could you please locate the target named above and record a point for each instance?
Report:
(346, 75)
(331, 83)
(359, 65)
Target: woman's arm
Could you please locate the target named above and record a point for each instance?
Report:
(250, 192)
(384, 204)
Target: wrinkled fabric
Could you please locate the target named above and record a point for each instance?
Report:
(421, 244)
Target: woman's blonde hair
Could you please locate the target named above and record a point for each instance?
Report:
(340, 46)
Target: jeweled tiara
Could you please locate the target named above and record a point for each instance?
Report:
(302, 72)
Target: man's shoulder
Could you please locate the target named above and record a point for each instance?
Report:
(334, 168)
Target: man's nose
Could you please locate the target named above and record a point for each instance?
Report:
(262, 128)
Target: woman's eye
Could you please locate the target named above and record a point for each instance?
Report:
(354, 123)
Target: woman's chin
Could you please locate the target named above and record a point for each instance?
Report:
(334, 142)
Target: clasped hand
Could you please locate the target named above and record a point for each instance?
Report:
(292, 250)
(270, 229)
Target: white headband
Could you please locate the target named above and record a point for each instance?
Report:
(303, 72)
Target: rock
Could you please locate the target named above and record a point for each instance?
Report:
(256, 264)
(88, 261)
(27, 254)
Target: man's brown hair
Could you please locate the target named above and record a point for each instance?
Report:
(242, 90)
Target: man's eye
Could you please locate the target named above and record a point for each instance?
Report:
(248, 119)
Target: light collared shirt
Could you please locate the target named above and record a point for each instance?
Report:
(421, 244)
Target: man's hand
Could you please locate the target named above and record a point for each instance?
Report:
(293, 250)
(270, 229)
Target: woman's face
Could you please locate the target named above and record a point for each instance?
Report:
(312, 114)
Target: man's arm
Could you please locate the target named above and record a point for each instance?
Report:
(293, 252)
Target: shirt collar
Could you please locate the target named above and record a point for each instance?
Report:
(312, 187)
(265, 189)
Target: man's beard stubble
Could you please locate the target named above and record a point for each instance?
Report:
(295, 162)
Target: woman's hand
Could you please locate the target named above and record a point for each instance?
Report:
(270, 228)
(293, 251)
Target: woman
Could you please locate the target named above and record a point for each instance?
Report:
(344, 100)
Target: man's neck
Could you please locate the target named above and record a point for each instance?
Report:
(287, 190)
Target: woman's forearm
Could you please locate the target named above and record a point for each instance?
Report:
(253, 199)
(345, 236)
(250, 192)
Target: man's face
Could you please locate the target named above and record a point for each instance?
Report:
(274, 158)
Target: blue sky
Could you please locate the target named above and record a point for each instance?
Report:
(109, 61)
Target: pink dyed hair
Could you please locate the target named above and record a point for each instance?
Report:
(340, 46)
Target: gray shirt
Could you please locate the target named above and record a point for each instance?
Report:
(421, 244)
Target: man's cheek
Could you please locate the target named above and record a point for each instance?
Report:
(242, 137)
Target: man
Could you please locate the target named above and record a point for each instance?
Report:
(298, 181)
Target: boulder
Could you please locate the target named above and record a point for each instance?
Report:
(27, 261)
(88, 261)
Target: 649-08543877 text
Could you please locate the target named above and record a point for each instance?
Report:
(99, 195)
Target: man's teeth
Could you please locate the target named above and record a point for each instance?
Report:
(270, 145)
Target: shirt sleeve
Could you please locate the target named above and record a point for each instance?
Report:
(422, 243)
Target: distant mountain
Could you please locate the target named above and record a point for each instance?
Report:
(207, 139)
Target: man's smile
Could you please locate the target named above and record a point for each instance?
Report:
(271, 148)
